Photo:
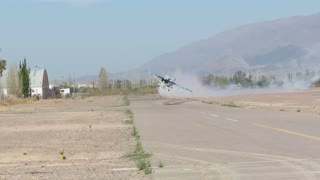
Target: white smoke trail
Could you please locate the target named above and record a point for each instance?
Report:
(192, 81)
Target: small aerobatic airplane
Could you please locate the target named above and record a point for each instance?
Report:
(167, 83)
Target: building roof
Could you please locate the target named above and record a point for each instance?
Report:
(36, 78)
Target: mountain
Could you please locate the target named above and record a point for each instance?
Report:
(289, 44)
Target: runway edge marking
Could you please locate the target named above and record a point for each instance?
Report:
(289, 132)
(214, 115)
(234, 120)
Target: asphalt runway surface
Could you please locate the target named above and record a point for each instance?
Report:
(194, 140)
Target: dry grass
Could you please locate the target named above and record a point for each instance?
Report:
(12, 100)
(58, 101)
(91, 144)
(2, 103)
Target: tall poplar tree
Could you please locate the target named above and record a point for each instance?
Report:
(13, 81)
(2, 66)
(103, 79)
(24, 75)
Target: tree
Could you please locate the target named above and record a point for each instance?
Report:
(70, 80)
(142, 83)
(13, 81)
(127, 84)
(208, 80)
(263, 82)
(222, 81)
(3, 64)
(247, 82)
(118, 84)
(2, 68)
(290, 76)
(239, 77)
(24, 75)
(103, 79)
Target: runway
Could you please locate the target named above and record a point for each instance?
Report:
(195, 140)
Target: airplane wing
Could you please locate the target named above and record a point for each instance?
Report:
(184, 88)
(159, 78)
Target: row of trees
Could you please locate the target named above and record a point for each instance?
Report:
(18, 80)
(239, 78)
(242, 79)
(106, 86)
(104, 83)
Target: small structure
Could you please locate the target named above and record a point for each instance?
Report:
(65, 92)
(39, 83)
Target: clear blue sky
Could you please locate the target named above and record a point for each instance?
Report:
(80, 36)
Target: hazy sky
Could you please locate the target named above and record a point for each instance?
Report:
(80, 36)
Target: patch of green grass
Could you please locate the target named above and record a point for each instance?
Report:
(128, 122)
(209, 102)
(230, 104)
(137, 137)
(142, 164)
(138, 155)
(130, 115)
(134, 132)
(148, 169)
(126, 101)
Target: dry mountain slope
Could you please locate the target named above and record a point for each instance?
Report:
(289, 44)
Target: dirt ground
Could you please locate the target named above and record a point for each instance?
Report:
(90, 131)
(93, 136)
(305, 101)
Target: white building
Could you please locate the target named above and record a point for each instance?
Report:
(4, 85)
(39, 83)
(65, 92)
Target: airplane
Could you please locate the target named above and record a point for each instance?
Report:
(167, 83)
